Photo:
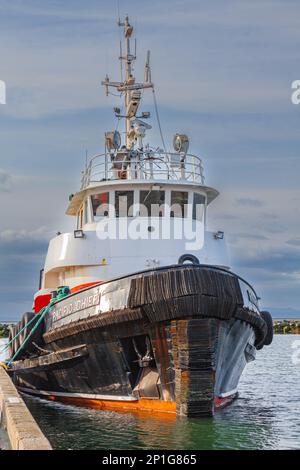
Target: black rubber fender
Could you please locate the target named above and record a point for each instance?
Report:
(24, 324)
(37, 336)
(15, 344)
(188, 257)
(11, 334)
(17, 341)
(267, 317)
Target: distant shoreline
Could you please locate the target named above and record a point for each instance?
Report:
(286, 326)
(4, 330)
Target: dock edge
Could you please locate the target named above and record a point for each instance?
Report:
(22, 429)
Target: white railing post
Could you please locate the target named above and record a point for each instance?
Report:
(157, 166)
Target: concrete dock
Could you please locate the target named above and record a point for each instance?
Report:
(18, 429)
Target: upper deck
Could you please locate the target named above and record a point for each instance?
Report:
(146, 165)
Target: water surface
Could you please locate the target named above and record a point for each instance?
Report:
(265, 416)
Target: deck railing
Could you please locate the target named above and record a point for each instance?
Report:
(143, 166)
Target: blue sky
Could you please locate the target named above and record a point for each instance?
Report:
(223, 73)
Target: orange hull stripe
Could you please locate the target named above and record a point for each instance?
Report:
(139, 405)
(83, 286)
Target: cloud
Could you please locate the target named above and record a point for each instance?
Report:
(250, 236)
(56, 55)
(5, 181)
(283, 260)
(22, 254)
(23, 246)
(243, 201)
(263, 244)
(41, 233)
(294, 241)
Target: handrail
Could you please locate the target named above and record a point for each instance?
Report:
(146, 166)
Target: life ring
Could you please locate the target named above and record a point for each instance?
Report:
(187, 257)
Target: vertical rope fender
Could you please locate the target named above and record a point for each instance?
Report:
(42, 315)
(18, 334)
(60, 294)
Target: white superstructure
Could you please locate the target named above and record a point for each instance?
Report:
(116, 187)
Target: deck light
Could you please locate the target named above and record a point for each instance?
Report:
(181, 143)
(219, 235)
(78, 234)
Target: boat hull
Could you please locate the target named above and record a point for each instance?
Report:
(172, 340)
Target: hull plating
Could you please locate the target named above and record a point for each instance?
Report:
(174, 340)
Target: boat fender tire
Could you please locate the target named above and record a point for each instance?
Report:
(16, 342)
(11, 334)
(187, 257)
(37, 336)
(19, 340)
(267, 317)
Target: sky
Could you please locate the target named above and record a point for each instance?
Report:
(223, 74)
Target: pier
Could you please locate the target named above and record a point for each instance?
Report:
(18, 429)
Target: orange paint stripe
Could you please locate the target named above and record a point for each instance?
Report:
(143, 404)
(83, 286)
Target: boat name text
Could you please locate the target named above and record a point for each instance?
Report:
(75, 306)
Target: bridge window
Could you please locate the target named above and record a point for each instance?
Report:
(152, 203)
(80, 218)
(198, 206)
(100, 204)
(179, 203)
(86, 212)
(124, 203)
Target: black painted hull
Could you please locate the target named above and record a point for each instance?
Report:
(175, 339)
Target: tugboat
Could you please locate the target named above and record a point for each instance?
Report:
(137, 309)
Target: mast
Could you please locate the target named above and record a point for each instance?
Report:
(128, 30)
(130, 88)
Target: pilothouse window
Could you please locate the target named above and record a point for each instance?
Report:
(80, 218)
(179, 203)
(124, 203)
(100, 204)
(151, 203)
(198, 206)
(86, 212)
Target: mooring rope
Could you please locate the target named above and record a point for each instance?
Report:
(40, 318)
(18, 334)
(60, 294)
